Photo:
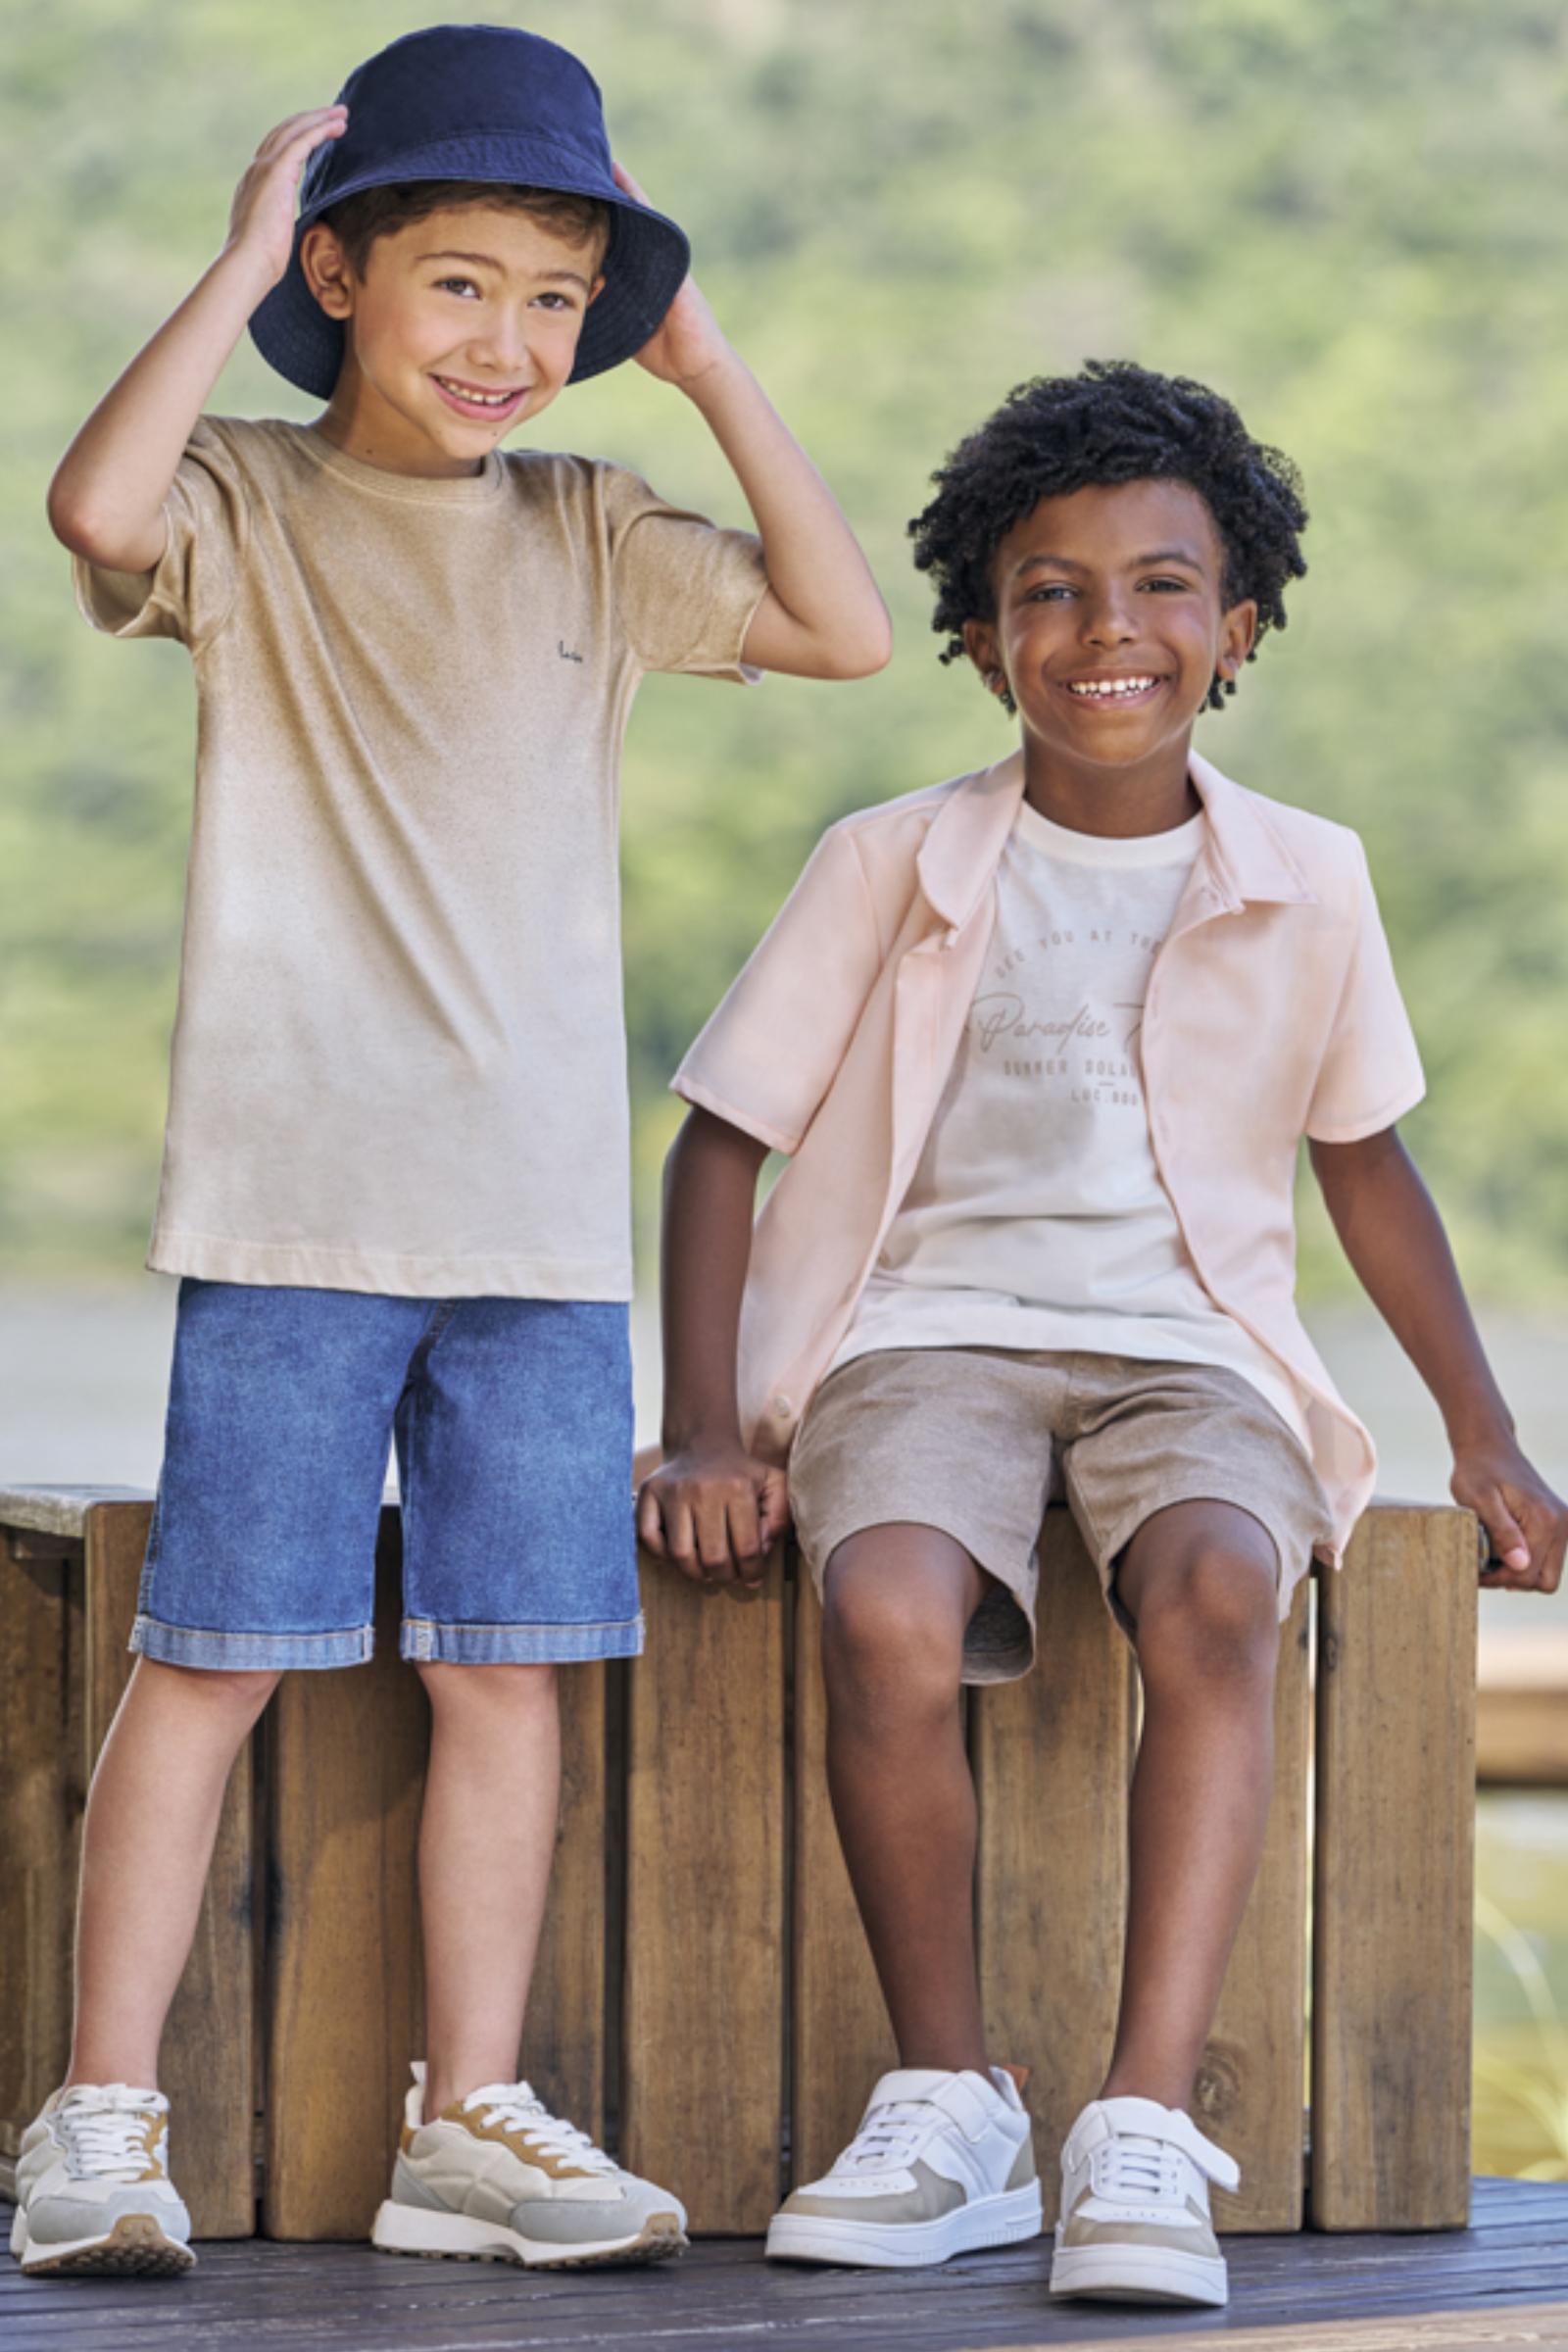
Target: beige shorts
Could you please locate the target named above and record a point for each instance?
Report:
(977, 1440)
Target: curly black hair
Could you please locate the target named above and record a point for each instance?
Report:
(1115, 422)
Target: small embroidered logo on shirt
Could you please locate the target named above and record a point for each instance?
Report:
(566, 651)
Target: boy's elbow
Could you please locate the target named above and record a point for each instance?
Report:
(862, 654)
(84, 530)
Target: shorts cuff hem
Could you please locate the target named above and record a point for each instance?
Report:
(425, 1643)
(198, 1645)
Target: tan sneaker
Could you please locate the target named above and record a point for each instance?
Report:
(1135, 2225)
(93, 2192)
(497, 2178)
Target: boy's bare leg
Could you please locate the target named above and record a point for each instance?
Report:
(896, 1602)
(1199, 1582)
(487, 1838)
(147, 1842)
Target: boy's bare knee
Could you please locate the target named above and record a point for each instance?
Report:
(1212, 1614)
(882, 1650)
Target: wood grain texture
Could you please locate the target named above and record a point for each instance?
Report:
(1392, 1894)
(42, 1787)
(206, 2064)
(563, 2034)
(1051, 1755)
(344, 2007)
(1251, 2084)
(702, 2051)
(841, 2039)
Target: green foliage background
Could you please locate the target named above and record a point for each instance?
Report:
(1348, 216)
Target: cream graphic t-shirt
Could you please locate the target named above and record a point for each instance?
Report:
(399, 1060)
(1036, 1217)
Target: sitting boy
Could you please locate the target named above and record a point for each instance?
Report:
(1043, 1043)
(396, 1174)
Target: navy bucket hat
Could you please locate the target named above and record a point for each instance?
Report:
(478, 101)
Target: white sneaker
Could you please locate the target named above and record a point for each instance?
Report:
(1134, 2225)
(942, 2164)
(497, 2178)
(93, 2192)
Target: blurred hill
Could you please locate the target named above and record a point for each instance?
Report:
(1348, 217)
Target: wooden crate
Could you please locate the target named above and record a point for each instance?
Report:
(704, 2000)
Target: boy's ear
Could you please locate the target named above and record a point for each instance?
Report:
(1238, 636)
(980, 644)
(327, 270)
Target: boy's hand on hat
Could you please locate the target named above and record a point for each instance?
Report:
(261, 220)
(715, 1512)
(688, 342)
(1526, 1523)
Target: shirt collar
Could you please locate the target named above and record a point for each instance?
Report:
(1246, 856)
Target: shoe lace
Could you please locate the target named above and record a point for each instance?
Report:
(889, 2135)
(105, 2130)
(1139, 2170)
(517, 2107)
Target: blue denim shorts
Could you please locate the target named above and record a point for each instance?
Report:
(512, 1422)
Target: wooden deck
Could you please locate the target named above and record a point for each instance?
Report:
(1504, 2281)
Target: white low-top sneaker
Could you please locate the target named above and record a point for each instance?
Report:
(942, 2164)
(93, 2192)
(1135, 2225)
(497, 2178)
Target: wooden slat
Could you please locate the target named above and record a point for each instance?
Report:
(841, 2039)
(345, 1768)
(702, 2051)
(1393, 1897)
(1522, 1739)
(1051, 1753)
(1522, 1710)
(207, 2065)
(43, 1785)
(1251, 2084)
(564, 2034)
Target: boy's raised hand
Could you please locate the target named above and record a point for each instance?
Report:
(261, 220)
(688, 340)
(717, 1512)
(1526, 1522)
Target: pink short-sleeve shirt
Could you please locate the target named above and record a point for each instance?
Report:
(1272, 1013)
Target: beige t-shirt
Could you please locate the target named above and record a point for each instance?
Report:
(399, 1058)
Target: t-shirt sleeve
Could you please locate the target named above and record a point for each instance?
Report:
(1370, 1074)
(766, 1058)
(685, 589)
(189, 592)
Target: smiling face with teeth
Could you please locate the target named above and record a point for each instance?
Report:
(464, 322)
(1111, 626)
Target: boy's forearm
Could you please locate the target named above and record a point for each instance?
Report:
(1395, 1238)
(830, 620)
(106, 501)
(710, 1197)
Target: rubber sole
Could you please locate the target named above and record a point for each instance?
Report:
(433, 2236)
(1006, 2220)
(1139, 2274)
(135, 2248)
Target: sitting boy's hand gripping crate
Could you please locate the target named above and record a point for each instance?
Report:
(703, 1998)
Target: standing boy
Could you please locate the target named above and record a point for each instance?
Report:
(396, 1170)
(1043, 1043)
